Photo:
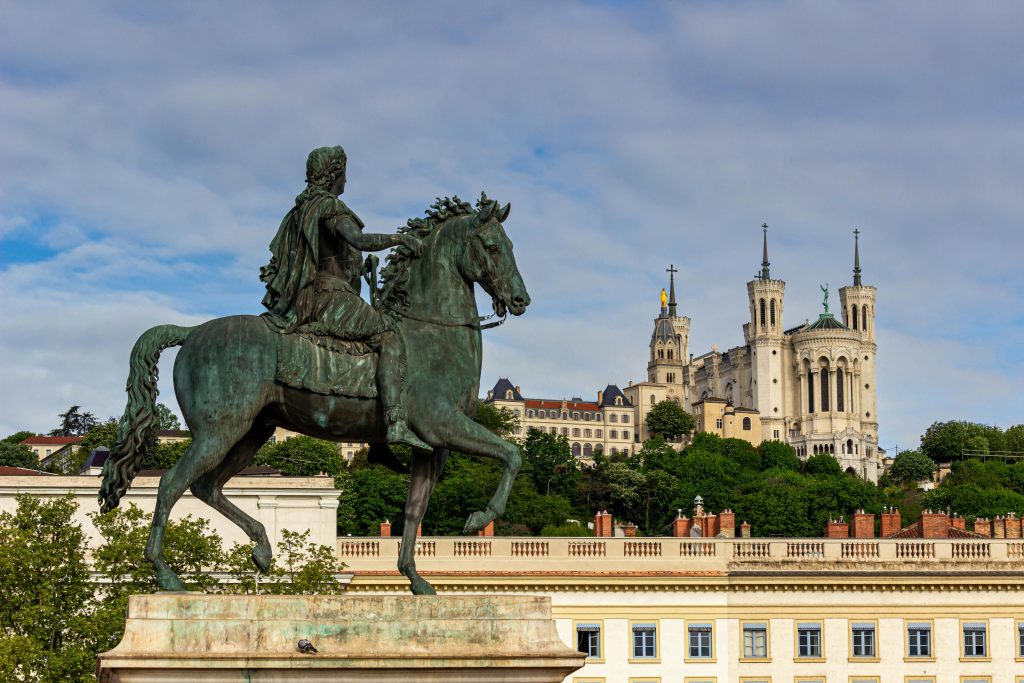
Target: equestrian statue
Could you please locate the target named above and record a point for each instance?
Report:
(403, 368)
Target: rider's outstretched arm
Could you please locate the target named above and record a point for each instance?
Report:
(348, 230)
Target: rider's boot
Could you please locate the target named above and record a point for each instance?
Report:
(398, 429)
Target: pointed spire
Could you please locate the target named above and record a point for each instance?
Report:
(764, 260)
(856, 258)
(672, 290)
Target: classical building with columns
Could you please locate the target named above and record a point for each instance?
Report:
(811, 385)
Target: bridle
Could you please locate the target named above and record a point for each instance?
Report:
(473, 323)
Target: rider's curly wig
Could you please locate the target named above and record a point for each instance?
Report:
(324, 164)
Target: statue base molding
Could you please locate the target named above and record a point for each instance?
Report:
(255, 639)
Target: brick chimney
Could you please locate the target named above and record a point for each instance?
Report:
(681, 525)
(727, 523)
(745, 530)
(863, 525)
(999, 527)
(603, 524)
(1013, 526)
(487, 530)
(837, 528)
(385, 528)
(958, 522)
(983, 527)
(891, 522)
(934, 524)
(629, 530)
(710, 526)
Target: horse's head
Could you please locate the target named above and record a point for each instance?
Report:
(488, 259)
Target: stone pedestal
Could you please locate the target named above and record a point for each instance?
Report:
(389, 639)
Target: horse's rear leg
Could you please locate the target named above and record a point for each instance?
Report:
(205, 453)
(426, 470)
(210, 489)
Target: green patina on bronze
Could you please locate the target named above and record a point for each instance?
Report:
(324, 362)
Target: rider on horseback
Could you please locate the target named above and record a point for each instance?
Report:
(313, 280)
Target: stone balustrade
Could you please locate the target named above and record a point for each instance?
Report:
(664, 554)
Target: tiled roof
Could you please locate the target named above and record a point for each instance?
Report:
(51, 440)
(557, 405)
(6, 471)
(504, 386)
(914, 531)
(826, 321)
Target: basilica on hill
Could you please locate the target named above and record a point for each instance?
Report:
(811, 385)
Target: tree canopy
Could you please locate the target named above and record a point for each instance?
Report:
(74, 422)
(18, 455)
(669, 420)
(910, 467)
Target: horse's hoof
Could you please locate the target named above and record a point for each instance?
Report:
(262, 557)
(477, 521)
(169, 581)
(420, 586)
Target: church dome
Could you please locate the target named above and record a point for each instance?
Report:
(663, 331)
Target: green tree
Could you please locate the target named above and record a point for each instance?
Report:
(17, 455)
(549, 462)
(910, 467)
(73, 422)
(947, 441)
(778, 455)
(1015, 439)
(302, 456)
(163, 456)
(669, 420)
(822, 465)
(18, 437)
(45, 594)
(501, 421)
(166, 419)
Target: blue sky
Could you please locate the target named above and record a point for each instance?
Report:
(148, 152)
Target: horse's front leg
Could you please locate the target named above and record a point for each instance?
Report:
(426, 470)
(469, 437)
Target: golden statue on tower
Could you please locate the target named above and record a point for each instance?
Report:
(664, 298)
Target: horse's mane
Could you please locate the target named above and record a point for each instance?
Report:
(395, 275)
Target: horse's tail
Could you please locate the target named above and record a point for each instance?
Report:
(135, 429)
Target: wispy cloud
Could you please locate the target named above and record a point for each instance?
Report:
(150, 151)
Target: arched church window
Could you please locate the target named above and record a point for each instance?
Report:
(810, 391)
(864, 317)
(669, 354)
(773, 312)
(746, 424)
(824, 390)
(853, 316)
(840, 390)
(661, 353)
(762, 312)
(849, 446)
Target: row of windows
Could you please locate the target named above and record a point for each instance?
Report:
(746, 423)
(863, 640)
(762, 311)
(825, 381)
(801, 679)
(559, 415)
(863, 317)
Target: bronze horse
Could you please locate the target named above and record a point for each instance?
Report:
(224, 380)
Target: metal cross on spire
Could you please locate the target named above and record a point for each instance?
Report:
(856, 257)
(671, 270)
(764, 260)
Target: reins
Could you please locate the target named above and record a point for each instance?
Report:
(473, 324)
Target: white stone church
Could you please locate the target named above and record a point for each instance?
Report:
(812, 386)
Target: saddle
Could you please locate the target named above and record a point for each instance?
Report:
(325, 365)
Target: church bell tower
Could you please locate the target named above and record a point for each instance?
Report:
(670, 340)
(764, 335)
(858, 303)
